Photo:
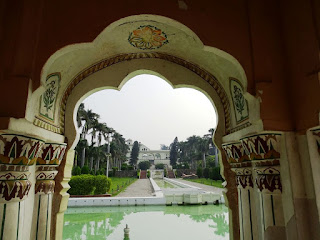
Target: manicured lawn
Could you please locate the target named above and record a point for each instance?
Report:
(210, 182)
(120, 184)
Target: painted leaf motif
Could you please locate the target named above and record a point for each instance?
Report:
(239, 100)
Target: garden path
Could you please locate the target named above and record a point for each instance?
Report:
(140, 188)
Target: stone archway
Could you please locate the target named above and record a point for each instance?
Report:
(112, 58)
(112, 72)
(112, 77)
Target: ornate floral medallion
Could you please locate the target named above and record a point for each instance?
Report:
(147, 37)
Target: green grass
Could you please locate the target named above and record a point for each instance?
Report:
(206, 181)
(120, 184)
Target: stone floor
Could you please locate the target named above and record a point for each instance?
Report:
(140, 188)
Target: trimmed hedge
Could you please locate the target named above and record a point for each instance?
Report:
(215, 174)
(144, 165)
(206, 172)
(199, 172)
(102, 184)
(160, 166)
(87, 184)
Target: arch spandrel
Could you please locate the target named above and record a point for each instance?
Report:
(113, 45)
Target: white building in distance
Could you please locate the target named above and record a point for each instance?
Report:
(146, 154)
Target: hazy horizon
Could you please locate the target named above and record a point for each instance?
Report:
(149, 110)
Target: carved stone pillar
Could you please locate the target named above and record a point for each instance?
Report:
(17, 153)
(241, 165)
(314, 151)
(264, 152)
(50, 158)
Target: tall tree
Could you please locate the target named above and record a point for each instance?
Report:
(193, 148)
(134, 153)
(174, 152)
(89, 118)
(118, 149)
(216, 153)
(203, 146)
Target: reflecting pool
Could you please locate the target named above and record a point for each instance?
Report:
(200, 222)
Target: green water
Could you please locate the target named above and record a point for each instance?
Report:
(163, 184)
(207, 222)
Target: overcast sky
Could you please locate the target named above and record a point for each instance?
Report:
(149, 110)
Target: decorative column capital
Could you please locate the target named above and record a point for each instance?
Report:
(244, 177)
(14, 186)
(236, 155)
(262, 146)
(50, 158)
(17, 149)
(264, 152)
(17, 153)
(240, 164)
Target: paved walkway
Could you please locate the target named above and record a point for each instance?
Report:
(140, 188)
(202, 186)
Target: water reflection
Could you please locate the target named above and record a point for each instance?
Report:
(174, 222)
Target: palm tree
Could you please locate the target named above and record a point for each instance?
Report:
(89, 118)
(216, 159)
(119, 149)
(203, 147)
(102, 130)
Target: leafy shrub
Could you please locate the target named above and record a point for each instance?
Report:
(160, 166)
(199, 172)
(124, 166)
(206, 172)
(87, 184)
(215, 174)
(144, 165)
(85, 170)
(130, 167)
(76, 171)
(102, 184)
(82, 184)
